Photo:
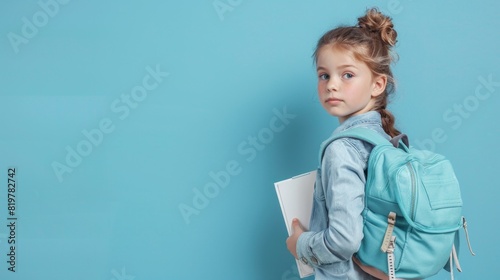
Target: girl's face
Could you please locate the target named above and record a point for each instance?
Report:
(346, 86)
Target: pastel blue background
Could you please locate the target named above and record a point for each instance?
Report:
(116, 215)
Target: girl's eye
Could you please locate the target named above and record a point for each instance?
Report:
(347, 75)
(324, 77)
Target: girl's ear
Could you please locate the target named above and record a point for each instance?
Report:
(379, 84)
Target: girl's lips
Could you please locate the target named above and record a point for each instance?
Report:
(333, 100)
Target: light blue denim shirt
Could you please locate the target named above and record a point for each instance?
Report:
(336, 226)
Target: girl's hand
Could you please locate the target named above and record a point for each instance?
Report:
(291, 242)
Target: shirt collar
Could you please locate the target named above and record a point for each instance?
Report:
(371, 117)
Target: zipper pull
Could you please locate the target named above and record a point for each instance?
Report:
(391, 272)
(454, 255)
(391, 221)
(467, 235)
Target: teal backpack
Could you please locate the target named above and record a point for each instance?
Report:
(413, 209)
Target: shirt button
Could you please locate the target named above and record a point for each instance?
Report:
(304, 260)
(314, 260)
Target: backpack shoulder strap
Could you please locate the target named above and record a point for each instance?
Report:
(360, 133)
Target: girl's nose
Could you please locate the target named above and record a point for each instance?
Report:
(332, 84)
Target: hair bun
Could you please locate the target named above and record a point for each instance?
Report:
(376, 22)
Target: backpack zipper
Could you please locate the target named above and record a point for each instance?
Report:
(413, 189)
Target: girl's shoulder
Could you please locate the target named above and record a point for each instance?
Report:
(345, 149)
(351, 147)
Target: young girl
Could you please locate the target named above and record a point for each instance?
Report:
(354, 82)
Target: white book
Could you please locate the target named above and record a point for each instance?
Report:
(296, 199)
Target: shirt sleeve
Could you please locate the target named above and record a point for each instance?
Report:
(343, 178)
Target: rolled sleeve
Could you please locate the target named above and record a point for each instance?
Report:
(343, 180)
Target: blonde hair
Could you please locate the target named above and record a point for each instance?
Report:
(371, 42)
